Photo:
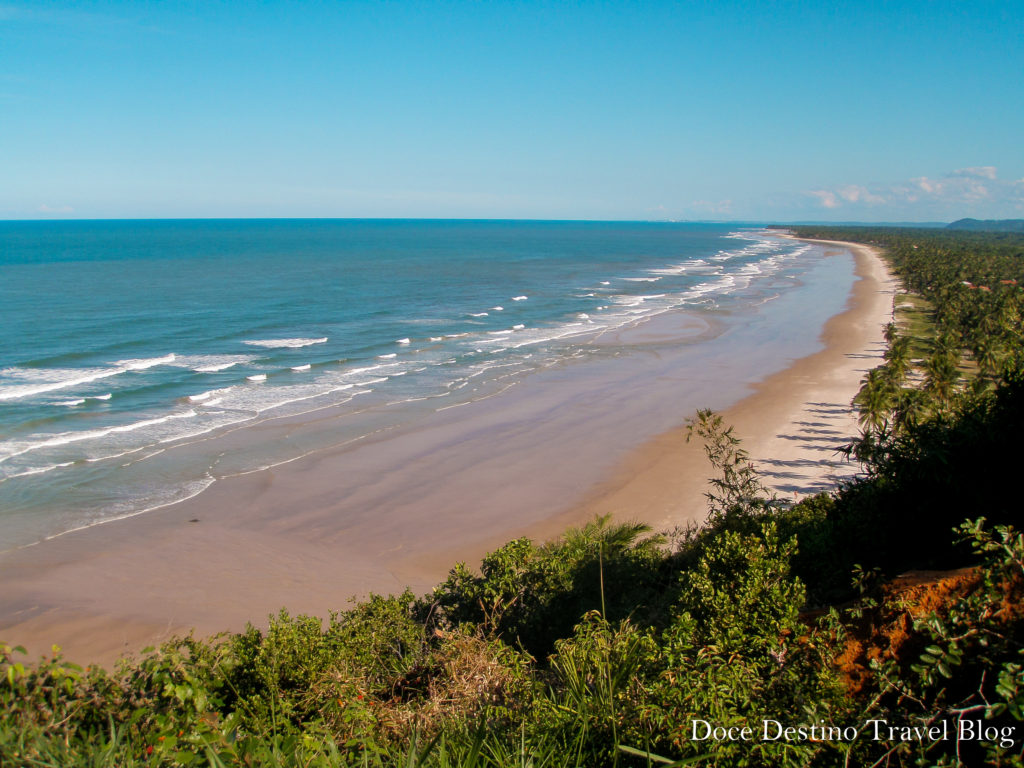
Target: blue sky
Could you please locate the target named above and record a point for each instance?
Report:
(887, 111)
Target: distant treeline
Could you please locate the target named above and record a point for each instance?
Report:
(613, 646)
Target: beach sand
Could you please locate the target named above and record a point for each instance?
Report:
(230, 556)
(791, 426)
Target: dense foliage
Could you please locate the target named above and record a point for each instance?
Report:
(942, 415)
(614, 646)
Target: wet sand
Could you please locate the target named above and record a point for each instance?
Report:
(791, 426)
(313, 533)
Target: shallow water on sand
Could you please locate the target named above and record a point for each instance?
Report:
(140, 362)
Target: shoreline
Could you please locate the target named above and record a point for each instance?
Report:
(95, 592)
(789, 424)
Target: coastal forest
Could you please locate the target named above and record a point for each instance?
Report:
(880, 623)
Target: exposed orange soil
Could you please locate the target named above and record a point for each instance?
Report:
(887, 632)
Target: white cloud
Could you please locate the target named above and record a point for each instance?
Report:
(55, 209)
(928, 186)
(855, 193)
(826, 198)
(958, 186)
(977, 192)
(978, 172)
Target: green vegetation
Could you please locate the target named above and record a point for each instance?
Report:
(612, 646)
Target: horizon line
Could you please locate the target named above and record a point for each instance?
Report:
(777, 222)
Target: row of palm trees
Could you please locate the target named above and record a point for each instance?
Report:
(974, 282)
(888, 398)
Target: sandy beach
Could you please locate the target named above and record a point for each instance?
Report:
(791, 426)
(229, 556)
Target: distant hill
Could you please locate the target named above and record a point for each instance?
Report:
(990, 225)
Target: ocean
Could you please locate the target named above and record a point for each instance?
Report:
(140, 359)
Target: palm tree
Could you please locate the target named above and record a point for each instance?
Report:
(1009, 319)
(987, 354)
(875, 400)
(946, 343)
(890, 333)
(911, 407)
(941, 376)
(614, 538)
(898, 360)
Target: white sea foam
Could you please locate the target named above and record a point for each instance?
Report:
(635, 301)
(204, 397)
(39, 470)
(166, 498)
(72, 403)
(305, 367)
(605, 282)
(242, 404)
(13, 448)
(257, 377)
(436, 338)
(518, 327)
(284, 343)
(520, 298)
(211, 363)
(497, 309)
(402, 341)
(478, 314)
(143, 363)
(101, 397)
(16, 383)
(388, 356)
(24, 382)
(695, 265)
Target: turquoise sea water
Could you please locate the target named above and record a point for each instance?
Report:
(124, 345)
